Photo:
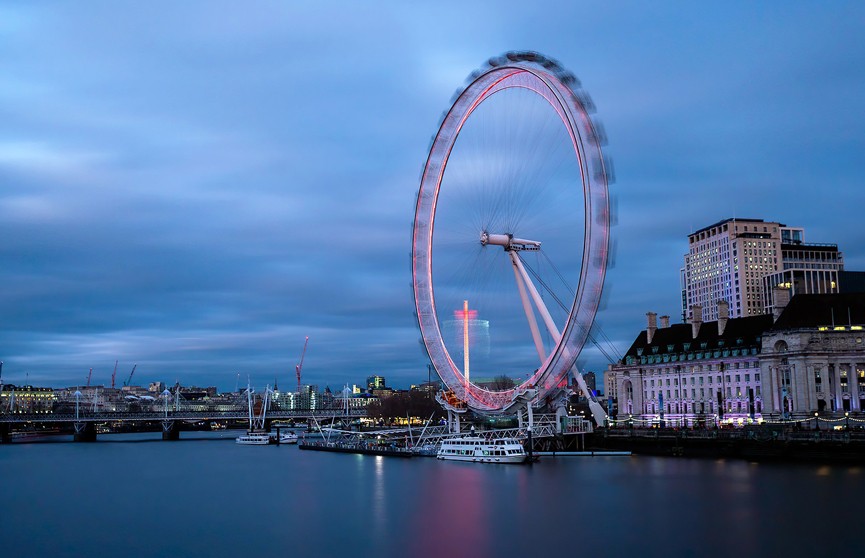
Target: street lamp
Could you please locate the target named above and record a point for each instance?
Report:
(816, 421)
(846, 420)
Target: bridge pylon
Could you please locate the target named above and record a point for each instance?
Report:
(170, 430)
(85, 432)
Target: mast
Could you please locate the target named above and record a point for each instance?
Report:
(466, 339)
(249, 401)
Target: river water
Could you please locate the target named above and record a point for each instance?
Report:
(135, 495)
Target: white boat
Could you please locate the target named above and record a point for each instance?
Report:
(480, 450)
(287, 438)
(256, 436)
(255, 439)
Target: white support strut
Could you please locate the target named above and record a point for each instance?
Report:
(536, 297)
(530, 315)
(513, 246)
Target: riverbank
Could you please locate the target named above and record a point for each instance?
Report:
(749, 444)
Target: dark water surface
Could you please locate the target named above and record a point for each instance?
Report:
(134, 495)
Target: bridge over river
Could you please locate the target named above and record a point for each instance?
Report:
(85, 423)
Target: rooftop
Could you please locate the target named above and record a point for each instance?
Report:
(719, 223)
(806, 311)
(741, 336)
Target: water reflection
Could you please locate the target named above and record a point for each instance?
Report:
(218, 499)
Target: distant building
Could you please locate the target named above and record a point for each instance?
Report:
(382, 393)
(375, 382)
(195, 393)
(26, 399)
(433, 387)
(353, 401)
(591, 381)
(308, 398)
(134, 390)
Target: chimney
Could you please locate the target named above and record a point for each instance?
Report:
(781, 296)
(665, 322)
(653, 326)
(723, 316)
(696, 319)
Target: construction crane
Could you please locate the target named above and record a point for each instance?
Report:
(114, 374)
(89, 375)
(129, 379)
(299, 367)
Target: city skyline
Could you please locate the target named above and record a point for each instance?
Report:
(197, 188)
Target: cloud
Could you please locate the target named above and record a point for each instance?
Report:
(198, 187)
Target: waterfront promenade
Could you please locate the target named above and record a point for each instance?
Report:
(763, 442)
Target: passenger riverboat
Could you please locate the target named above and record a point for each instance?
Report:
(255, 439)
(480, 450)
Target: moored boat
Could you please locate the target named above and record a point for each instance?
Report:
(480, 450)
(256, 436)
(255, 439)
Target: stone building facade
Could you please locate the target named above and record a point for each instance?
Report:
(806, 357)
(813, 356)
(691, 374)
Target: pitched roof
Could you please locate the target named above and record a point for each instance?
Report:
(819, 310)
(677, 339)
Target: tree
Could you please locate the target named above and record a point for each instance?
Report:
(502, 383)
(402, 404)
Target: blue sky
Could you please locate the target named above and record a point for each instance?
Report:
(195, 187)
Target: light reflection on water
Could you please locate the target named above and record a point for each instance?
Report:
(215, 498)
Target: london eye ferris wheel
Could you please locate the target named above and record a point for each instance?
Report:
(512, 219)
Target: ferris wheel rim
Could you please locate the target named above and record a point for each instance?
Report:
(547, 79)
